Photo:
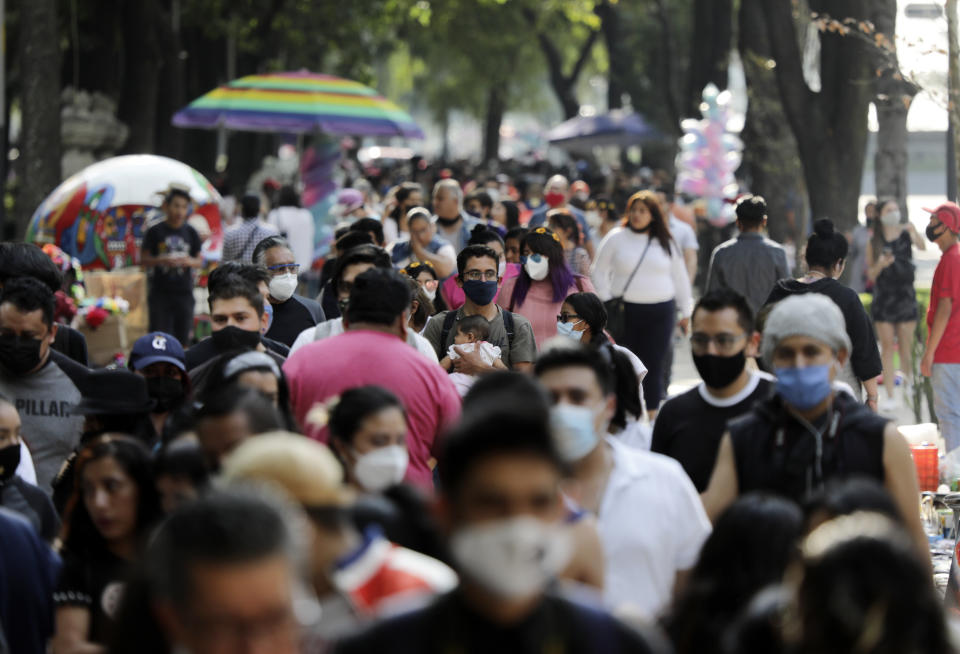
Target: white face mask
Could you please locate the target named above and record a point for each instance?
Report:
(512, 558)
(282, 286)
(891, 218)
(537, 269)
(432, 295)
(381, 468)
(501, 267)
(574, 432)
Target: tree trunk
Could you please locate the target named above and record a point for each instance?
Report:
(563, 84)
(39, 144)
(138, 101)
(619, 60)
(496, 106)
(667, 55)
(771, 164)
(830, 126)
(892, 100)
(710, 52)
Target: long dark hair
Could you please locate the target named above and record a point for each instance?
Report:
(591, 310)
(355, 406)
(751, 545)
(659, 229)
(78, 534)
(543, 241)
(626, 385)
(513, 213)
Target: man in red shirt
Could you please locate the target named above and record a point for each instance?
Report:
(941, 360)
(373, 351)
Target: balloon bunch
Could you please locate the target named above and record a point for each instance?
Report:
(709, 156)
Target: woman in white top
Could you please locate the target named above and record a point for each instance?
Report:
(296, 224)
(653, 295)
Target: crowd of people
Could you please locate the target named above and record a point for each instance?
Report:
(462, 440)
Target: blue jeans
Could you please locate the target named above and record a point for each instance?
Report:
(946, 401)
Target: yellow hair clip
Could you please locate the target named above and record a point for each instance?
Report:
(544, 230)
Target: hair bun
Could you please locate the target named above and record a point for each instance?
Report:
(823, 228)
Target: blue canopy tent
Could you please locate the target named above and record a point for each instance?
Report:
(618, 127)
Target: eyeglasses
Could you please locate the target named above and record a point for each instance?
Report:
(478, 275)
(700, 342)
(284, 268)
(566, 317)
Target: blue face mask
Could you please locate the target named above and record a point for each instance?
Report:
(566, 329)
(268, 309)
(803, 388)
(573, 430)
(480, 292)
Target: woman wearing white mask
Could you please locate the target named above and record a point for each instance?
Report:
(544, 282)
(426, 275)
(368, 432)
(890, 268)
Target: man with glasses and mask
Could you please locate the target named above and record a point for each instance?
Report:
(689, 426)
(42, 384)
(649, 517)
(512, 333)
(292, 313)
(810, 431)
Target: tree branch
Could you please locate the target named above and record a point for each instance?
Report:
(584, 56)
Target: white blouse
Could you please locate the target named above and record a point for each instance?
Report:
(661, 277)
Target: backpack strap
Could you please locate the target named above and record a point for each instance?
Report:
(508, 325)
(448, 321)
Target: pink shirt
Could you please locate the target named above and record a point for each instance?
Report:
(453, 294)
(323, 369)
(538, 307)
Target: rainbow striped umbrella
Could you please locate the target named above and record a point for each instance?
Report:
(298, 102)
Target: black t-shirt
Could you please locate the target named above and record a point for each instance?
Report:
(865, 356)
(449, 625)
(163, 239)
(205, 350)
(95, 583)
(33, 504)
(292, 317)
(689, 427)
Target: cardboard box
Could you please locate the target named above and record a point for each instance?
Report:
(107, 340)
(128, 283)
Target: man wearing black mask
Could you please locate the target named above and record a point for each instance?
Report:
(238, 321)
(42, 384)
(159, 358)
(511, 332)
(689, 427)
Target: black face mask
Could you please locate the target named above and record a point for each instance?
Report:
(19, 355)
(167, 391)
(643, 230)
(9, 460)
(717, 371)
(933, 234)
(234, 338)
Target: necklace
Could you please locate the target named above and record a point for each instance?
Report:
(814, 275)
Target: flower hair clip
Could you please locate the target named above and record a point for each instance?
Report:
(544, 230)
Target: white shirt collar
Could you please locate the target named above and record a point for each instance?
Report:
(745, 392)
